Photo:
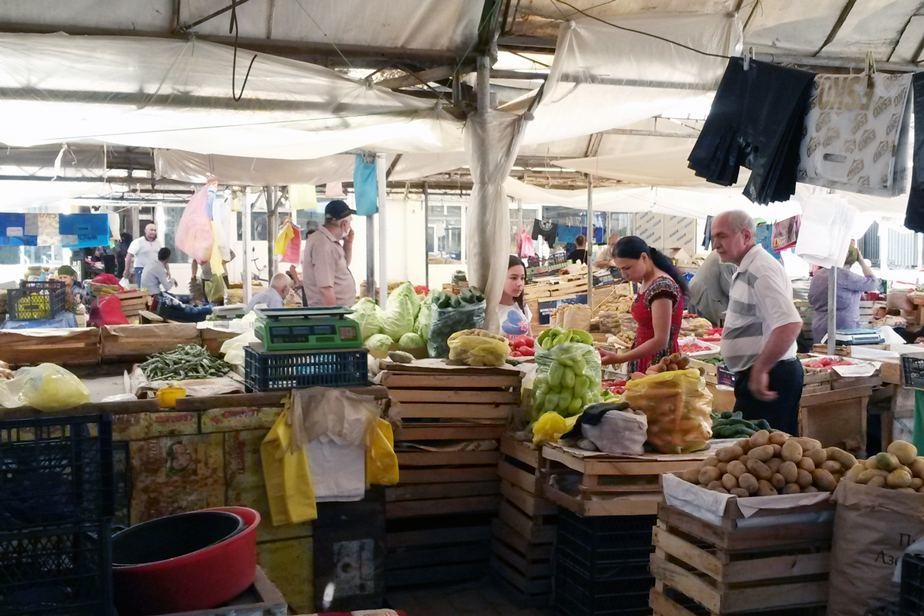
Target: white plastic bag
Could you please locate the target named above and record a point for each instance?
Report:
(619, 432)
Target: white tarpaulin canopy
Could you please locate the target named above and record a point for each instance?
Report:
(173, 94)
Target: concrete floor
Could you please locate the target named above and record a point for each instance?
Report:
(475, 598)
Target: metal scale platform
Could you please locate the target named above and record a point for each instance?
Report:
(856, 337)
(302, 329)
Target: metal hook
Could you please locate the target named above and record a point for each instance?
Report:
(748, 57)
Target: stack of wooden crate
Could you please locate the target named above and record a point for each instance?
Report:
(710, 559)
(438, 517)
(524, 530)
(133, 302)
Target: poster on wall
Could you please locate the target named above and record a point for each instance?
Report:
(15, 232)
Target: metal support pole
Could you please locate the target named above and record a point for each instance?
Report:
(426, 206)
(832, 309)
(380, 176)
(370, 258)
(589, 236)
(245, 220)
(272, 225)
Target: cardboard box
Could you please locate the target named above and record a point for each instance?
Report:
(137, 426)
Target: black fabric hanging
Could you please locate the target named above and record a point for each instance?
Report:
(756, 121)
(914, 215)
(707, 233)
(545, 228)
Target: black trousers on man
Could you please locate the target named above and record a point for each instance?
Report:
(786, 378)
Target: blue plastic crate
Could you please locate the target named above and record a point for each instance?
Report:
(55, 470)
(264, 371)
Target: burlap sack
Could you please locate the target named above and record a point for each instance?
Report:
(872, 528)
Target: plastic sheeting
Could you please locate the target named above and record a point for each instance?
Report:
(159, 93)
(492, 140)
(640, 76)
(192, 167)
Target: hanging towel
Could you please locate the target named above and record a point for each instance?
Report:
(856, 132)
(547, 229)
(365, 186)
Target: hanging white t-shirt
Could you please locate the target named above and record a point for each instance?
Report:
(513, 321)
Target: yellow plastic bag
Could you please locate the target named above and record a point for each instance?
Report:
(287, 476)
(550, 426)
(678, 408)
(47, 387)
(381, 459)
(476, 347)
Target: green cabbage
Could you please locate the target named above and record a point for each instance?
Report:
(400, 311)
(378, 345)
(424, 318)
(411, 341)
(368, 316)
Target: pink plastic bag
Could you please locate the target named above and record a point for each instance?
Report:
(194, 233)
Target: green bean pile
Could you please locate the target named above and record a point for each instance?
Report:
(188, 361)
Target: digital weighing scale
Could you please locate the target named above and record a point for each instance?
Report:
(859, 336)
(299, 329)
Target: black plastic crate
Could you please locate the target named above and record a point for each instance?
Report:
(60, 570)
(574, 600)
(269, 371)
(912, 589)
(913, 371)
(36, 300)
(603, 571)
(606, 532)
(55, 470)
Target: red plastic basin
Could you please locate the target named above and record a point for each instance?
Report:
(199, 580)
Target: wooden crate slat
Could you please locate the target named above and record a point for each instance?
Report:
(441, 506)
(446, 432)
(437, 410)
(434, 574)
(440, 396)
(504, 533)
(538, 588)
(664, 606)
(398, 380)
(447, 458)
(536, 530)
(447, 475)
(437, 555)
(518, 477)
(437, 490)
(629, 504)
(438, 536)
(536, 569)
(520, 451)
(760, 569)
(727, 600)
(615, 466)
(770, 536)
(531, 504)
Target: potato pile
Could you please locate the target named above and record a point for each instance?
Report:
(898, 468)
(767, 464)
(674, 361)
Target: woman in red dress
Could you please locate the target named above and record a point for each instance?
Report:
(658, 307)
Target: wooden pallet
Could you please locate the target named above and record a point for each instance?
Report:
(607, 485)
(724, 570)
(65, 347)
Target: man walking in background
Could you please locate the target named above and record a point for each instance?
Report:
(326, 260)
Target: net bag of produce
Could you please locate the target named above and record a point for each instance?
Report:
(678, 407)
(567, 379)
(476, 347)
(872, 528)
(447, 321)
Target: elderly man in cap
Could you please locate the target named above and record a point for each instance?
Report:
(326, 260)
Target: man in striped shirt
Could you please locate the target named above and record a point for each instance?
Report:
(761, 326)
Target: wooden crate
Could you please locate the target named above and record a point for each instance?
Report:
(136, 342)
(133, 302)
(603, 485)
(65, 347)
(836, 418)
(212, 339)
(523, 533)
(725, 569)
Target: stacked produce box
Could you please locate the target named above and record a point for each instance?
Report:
(439, 515)
(524, 530)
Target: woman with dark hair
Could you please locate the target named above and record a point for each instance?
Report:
(658, 307)
(512, 313)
